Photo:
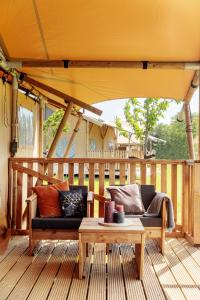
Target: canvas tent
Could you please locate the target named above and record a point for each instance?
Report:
(107, 37)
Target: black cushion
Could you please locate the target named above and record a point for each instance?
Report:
(72, 204)
(148, 221)
(147, 193)
(56, 223)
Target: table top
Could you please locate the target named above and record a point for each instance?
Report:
(92, 225)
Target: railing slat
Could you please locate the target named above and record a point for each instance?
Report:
(29, 181)
(122, 174)
(143, 173)
(50, 170)
(81, 174)
(60, 171)
(185, 191)
(164, 178)
(71, 173)
(40, 170)
(153, 174)
(91, 177)
(101, 188)
(19, 200)
(112, 173)
(132, 173)
(174, 189)
(91, 184)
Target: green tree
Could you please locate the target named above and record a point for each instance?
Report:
(142, 116)
(51, 125)
(176, 140)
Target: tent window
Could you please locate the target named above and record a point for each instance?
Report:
(26, 127)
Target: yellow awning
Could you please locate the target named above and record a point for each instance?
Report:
(120, 30)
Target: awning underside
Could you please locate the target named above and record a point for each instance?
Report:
(126, 30)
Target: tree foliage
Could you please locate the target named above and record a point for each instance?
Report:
(52, 123)
(176, 140)
(142, 116)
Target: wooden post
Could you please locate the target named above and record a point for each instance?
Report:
(41, 119)
(73, 135)
(14, 113)
(193, 86)
(60, 130)
(188, 123)
(199, 117)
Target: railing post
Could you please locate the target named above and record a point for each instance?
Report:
(196, 203)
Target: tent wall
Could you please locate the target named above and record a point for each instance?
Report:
(5, 129)
(5, 137)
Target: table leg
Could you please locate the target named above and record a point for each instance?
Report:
(81, 258)
(139, 256)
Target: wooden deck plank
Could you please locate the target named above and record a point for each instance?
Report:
(187, 261)
(134, 288)
(165, 276)
(11, 259)
(116, 288)
(79, 288)
(181, 275)
(11, 246)
(27, 281)
(44, 283)
(12, 277)
(53, 272)
(97, 285)
(61, 285)
(193, 251)
(152, 287)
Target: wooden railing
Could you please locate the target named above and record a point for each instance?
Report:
(118, 154)
(175, 177)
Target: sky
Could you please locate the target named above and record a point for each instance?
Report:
(114, 108)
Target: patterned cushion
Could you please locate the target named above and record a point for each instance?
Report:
(72, 204)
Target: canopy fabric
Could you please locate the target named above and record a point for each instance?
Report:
(136, 30)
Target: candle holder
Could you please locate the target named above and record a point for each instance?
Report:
(119, 216)
(109, 207)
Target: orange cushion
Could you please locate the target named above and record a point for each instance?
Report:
(48, 199)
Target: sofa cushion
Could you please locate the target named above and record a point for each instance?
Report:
(147, 194)
(56, 223)
(129, 196)
(48, 199)
(148, 221)
(72, 203)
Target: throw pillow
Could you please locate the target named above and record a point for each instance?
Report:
(48, 199)
(129, 196)
(72, 204)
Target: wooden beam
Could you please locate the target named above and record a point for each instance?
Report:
(62, 95)
(104, 64)
(33, 173)
(192, 88)
(41, 120)
(73, 135)
(57, 104)
(60, 130)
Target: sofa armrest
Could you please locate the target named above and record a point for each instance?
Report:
(164, 214)
(102, 198)
(32, 209)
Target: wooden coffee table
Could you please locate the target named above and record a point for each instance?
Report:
(91, 232)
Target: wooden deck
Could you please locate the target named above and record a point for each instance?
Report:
(52, 272)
